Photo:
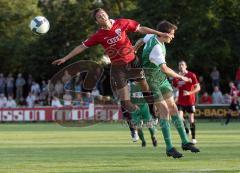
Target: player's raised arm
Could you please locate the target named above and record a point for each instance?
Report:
(146, 30)
(73, 53)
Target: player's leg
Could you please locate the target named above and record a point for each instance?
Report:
(177, 121)
(229, 116)
(181, 114)
(192, 123)
(124, 96)
(152, 131)
(121, 89)
(163, 112)
(136, 121)
(148, 121)
(133, 131)
(141, 136)
(148, 95)
(136, 72)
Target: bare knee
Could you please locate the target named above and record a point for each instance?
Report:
(172, 108)
(162, 110)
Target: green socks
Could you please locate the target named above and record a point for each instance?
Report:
(140, 134)
(165, 126)
(152, 131)
(177, 121)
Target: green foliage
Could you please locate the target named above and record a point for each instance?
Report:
(14, 32)
(208, 32)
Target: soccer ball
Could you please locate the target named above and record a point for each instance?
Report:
(39, 25)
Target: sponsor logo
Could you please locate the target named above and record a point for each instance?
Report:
(116, 38)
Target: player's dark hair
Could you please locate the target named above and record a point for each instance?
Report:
(96, 11)
(165, 26)
(183, 62)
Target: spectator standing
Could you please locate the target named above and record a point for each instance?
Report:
(66, 80)
(35, 88)
(215, 75)
(59, 88)
(20, 82)
(217, 96)
(44, 87)
(50, 91)
(78, 83)
(10, 84)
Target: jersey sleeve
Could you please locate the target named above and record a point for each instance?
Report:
(132, 25)
(194, 79)
(156, 55)
(91, 41)
(147, 37)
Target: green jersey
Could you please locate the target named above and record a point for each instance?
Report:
(153, 56)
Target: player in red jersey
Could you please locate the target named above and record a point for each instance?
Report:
(186, 98)
(112, 35)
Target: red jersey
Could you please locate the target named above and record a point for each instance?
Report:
(188, 100)
(115, 41)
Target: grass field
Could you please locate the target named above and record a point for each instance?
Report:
(107, 148)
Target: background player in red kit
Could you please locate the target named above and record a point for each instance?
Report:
(186, 97)
(112, 35)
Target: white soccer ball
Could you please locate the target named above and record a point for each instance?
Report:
(39, 25)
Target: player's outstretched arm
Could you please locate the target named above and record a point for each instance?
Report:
(73, 53)
(171, 73)
(146, 30)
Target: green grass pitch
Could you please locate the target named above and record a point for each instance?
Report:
(107, 148)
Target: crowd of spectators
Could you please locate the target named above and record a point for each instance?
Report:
(67, 91)
(22, 91)
(217, 97)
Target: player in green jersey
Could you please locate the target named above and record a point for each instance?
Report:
(156, 70)
(143, 119)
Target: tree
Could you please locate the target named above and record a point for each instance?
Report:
(15, 34)
(207, 32)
